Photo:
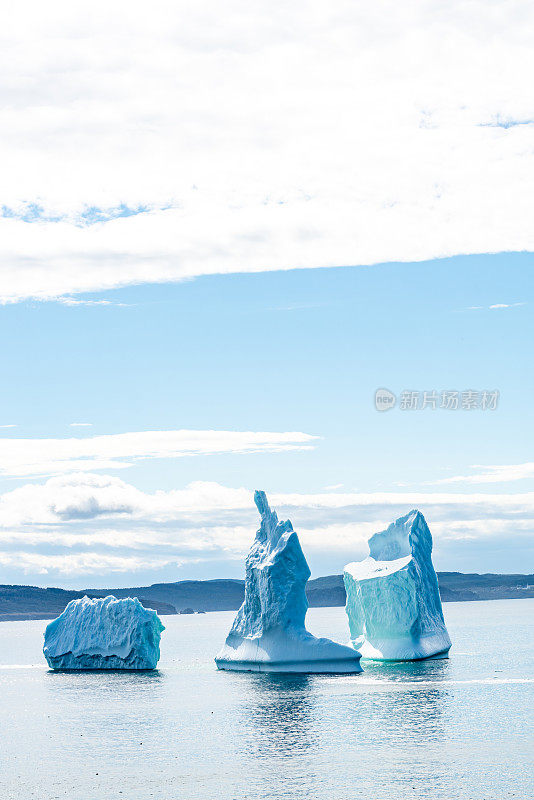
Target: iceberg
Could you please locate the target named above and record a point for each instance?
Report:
(393, 601)
(269, 633)
(103, 633)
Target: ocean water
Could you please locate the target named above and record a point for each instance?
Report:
(454, 729)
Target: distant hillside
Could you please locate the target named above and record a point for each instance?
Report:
(31, 602)
(216, 595)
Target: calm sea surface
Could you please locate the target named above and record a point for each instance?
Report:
(456, 729)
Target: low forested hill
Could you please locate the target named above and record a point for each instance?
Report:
(32, 602)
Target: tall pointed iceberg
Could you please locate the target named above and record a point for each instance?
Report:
(393, 601)
(269, 633)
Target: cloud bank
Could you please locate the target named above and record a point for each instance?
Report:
(203, 139)
(84, 527)
(24, 457)
(494, 473)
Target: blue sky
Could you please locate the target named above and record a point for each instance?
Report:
(301, 351)
(221, 231)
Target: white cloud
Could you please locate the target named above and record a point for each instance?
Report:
(498, 473)
(506, 305)
(495, 306)
(88, 524)
(89, 496)
(20, 457)
(80, 424)
(71, 301)
(208, 139)
(80, 563)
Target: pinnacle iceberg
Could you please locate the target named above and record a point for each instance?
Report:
(103, 633)
(393, 601)
(269, 633)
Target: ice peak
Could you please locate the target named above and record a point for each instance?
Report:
(270, 529)
(262, 504)
(401, 538)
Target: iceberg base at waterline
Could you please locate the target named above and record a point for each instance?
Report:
(269, 633)
(280, 651)
(103, 633)
(405, 649)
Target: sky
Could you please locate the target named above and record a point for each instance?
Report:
(220, 235)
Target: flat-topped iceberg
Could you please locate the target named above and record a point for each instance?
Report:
(393, 601)
(269, 634)
(103, 633)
